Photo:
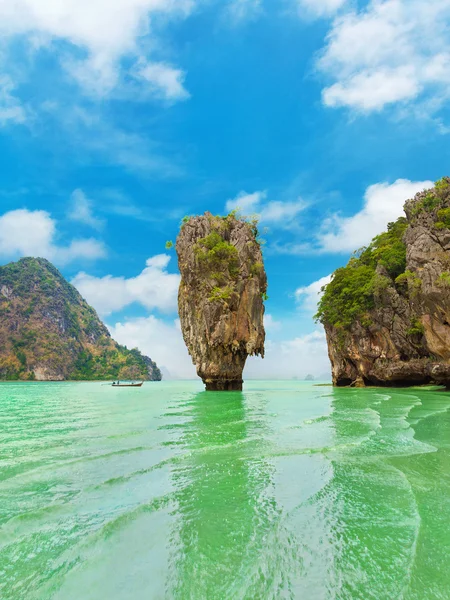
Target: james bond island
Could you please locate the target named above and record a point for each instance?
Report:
(387, 313)
(221, 296)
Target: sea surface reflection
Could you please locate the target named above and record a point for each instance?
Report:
(287, 490)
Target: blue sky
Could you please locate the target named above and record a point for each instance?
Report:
(119, 117)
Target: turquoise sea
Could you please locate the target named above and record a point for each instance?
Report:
(286, 490)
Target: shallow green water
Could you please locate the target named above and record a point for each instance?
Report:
(285, 491)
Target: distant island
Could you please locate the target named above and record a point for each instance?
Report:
(48, 332)
(387, 313)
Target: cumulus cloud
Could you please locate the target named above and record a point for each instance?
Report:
(389, 51)
(161, 341)
(320, 8)
(33, 233)
(308, 296)
(11, 110)
(81, 211)
(153, 288)
(273, 212)
(106, 31)
(271, 324)
(382, 203)
(372, 90)
(297, 357)
(164, 80)
(246, 202)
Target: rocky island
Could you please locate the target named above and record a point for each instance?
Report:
(221, 296)
(48, 332)
(387, 313)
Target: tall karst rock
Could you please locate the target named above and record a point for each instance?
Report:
(48, 332)
(387, 313)
(221, 296)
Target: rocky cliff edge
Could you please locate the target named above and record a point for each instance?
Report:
(387, 313)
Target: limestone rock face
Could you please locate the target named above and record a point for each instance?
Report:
(405, 338)
(48, 332)
(220, 299)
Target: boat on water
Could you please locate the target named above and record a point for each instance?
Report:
(132, 384)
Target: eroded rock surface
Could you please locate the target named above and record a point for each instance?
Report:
(221, 296)
(404, 337)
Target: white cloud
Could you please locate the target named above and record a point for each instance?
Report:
(320, 8)
(281, 212)
(153, 288)
(243, 10)
(308, 296)
(273, 212)
(89, 249)
(383, 203)
(246, 203)
(303, 355)
(33, 233)
(164, 80)
(81, 211)
(298, 357)
(271, 324)
(388, 52)
(105, 30)
(161, 341)
(11, 110)
(372, 90)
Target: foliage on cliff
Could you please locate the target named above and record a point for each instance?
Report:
(47, 331)
(218, 258)
(350, 294)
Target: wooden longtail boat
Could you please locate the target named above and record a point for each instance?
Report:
(127, 384)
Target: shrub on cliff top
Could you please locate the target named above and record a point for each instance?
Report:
(350, 294)
(443, 216)
(432, 200)
(216, 253)
(219, 258)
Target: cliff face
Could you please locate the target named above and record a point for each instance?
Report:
(48, 332)
(221, 294)
(387, 313)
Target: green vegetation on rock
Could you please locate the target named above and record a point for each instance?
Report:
(444, 279)
(350, 294)
(219, 293)
(219, 257)
(215, 253)
(408, 281)
(427, 204)
(47, 331)
(434, 202)
(443, 216)
(416, 328)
